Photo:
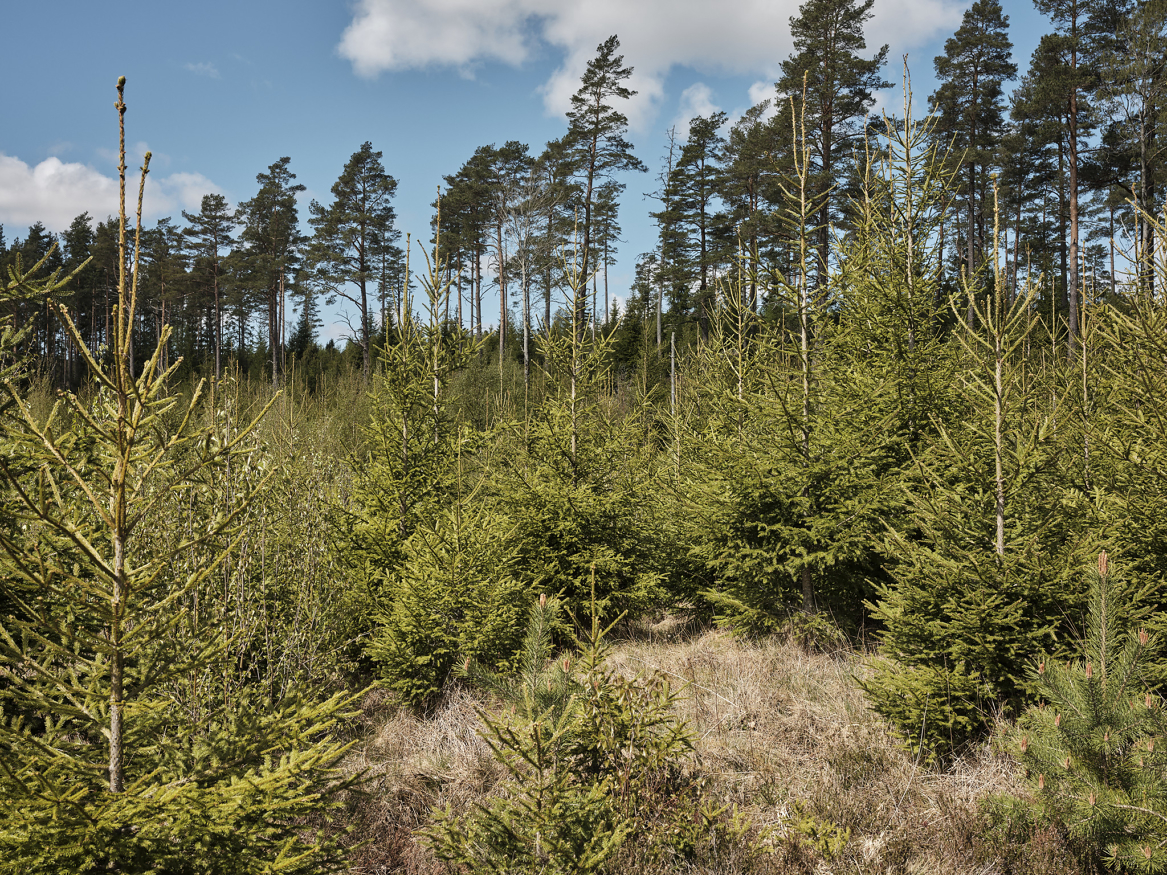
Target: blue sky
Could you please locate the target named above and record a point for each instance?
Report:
(219, 90)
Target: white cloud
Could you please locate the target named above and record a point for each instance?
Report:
(696, 100)
(400, 34)
(761, 90)
(54, 192)
(743, 37)
(204, 68)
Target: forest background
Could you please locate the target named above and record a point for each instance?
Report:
(892, 382)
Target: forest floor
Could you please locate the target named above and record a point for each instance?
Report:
(782, 733)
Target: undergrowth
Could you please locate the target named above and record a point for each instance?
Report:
(783, 769)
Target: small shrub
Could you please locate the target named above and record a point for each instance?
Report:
(825, 838)
(1094, 750)
(453, 597)
(585, 775)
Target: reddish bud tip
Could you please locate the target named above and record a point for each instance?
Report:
(1103, 563)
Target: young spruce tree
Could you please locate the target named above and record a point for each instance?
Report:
(101, 768)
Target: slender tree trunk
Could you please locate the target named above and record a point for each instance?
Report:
(1062, 230)
(526, 335)
(478, 292)
(1113, 281)
(123, 352)
(660, 300)
(1073, 291)
(607, 315)
(547, 277)
(585, 258)
(970, 260)
(1017, 245)
(218, 325)
(502, 301)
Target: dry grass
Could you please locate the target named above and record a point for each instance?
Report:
(773, 726)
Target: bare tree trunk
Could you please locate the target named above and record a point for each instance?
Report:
(1073, 291)
(502, 302)
(660, 300)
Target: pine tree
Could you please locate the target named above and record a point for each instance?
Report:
(554, 169)
(673, 243)
(756, 153)
(210, 232)
(1075, 46)
(271, 254)
(468, 204)
(352, 234)
(595, 141)
(435, 564)
(1092, 750)
(1034, 156)
(164, 278)
(696, 183)
(976, 63)
(839, 87)
(585, 774)
(982, 568)
(579, 488)
(77, 243)
(1131, 430)
(1134, 93)
(509, 164)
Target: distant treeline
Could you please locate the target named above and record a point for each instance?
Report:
(1051, 178)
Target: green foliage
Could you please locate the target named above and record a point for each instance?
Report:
(547, 821)
(455, 596)
(540, 687)
(355, 239)
(982, 568)
(111, 754)
(580, 484)
(431, 559)
(585, 779)
(1093, 749)
(782, 502)
(580, 490)
(233, 793)
(410, 473)
(823, 837)
(280, 597)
